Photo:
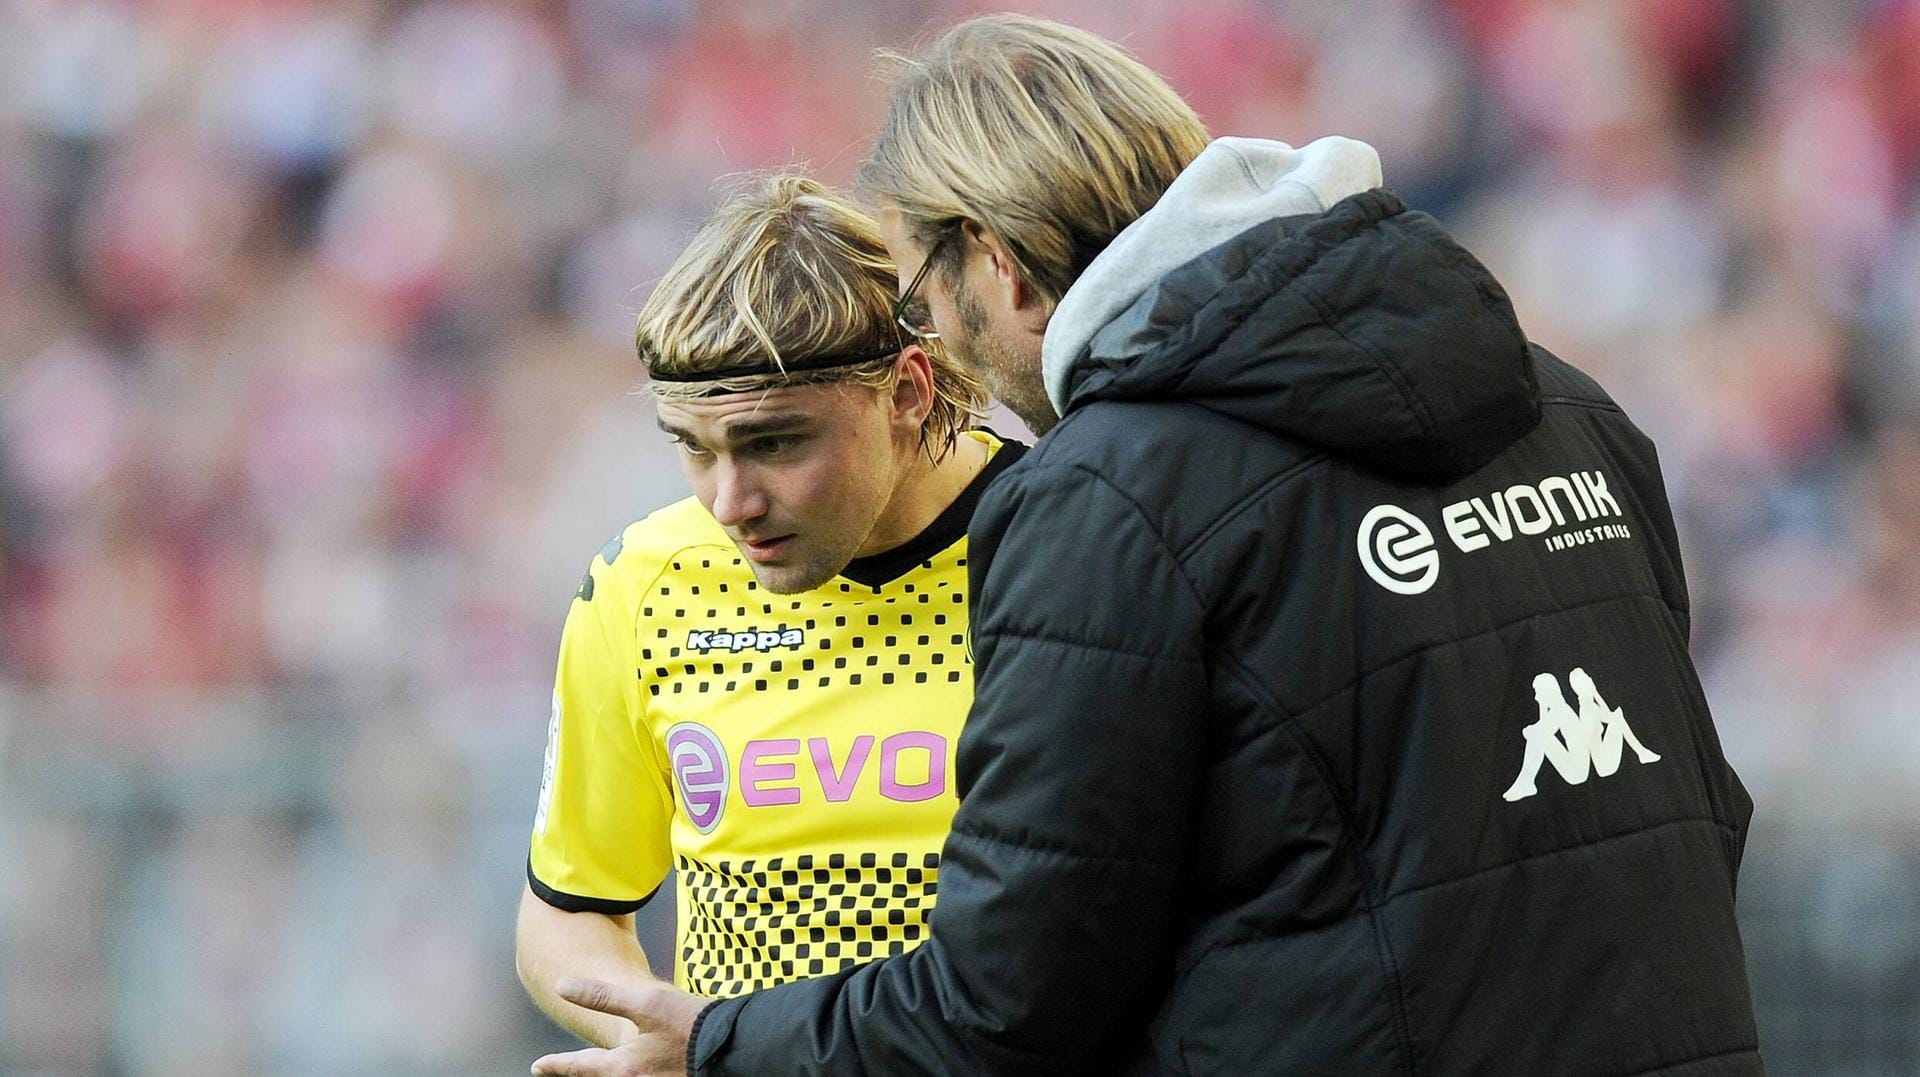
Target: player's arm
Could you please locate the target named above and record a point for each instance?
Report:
(1059, 884)
(600, 844)
(550, 943)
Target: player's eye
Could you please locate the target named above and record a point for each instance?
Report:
(692, 450)
(775, 445)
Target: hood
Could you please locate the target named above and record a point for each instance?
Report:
(1284, 288)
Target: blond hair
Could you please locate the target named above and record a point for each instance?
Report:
(1052, 137)
(786, 271)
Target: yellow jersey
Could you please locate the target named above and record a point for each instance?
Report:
(790, 755)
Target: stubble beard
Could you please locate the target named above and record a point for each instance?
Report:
(787, 579)
(791, 579)
(825, 552)
(1016, 383)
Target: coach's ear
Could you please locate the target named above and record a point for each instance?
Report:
(991, 267)
(912, 391)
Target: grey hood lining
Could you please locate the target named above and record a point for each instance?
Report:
(1233, 185)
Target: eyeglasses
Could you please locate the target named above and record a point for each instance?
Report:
(919, 328)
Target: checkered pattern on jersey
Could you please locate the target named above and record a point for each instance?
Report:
(758, 923)
(867, 636)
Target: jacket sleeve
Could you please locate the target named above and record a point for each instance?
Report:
(1732, 802)
(1077, 769)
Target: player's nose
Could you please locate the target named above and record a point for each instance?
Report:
(737, 498)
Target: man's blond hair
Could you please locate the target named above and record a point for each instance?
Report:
(1052, 137)
(784, 272)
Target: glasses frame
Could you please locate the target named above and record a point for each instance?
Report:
(906, 297)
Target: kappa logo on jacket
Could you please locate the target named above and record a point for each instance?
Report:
(1590, 740)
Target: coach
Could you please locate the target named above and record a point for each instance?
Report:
(1334, 713)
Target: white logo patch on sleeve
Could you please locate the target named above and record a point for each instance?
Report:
(546, 770)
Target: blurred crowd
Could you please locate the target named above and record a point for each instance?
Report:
(317, 393)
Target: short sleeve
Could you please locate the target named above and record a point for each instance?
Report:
(601, 838)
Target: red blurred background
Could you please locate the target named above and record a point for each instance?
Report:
(316, 394)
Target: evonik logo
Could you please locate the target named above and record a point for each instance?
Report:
(1398, 549)
(721, 639)
(699, 764)
(1523, 509)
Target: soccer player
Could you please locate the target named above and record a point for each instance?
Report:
(761, 686)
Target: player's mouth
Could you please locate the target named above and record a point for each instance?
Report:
(765, 550)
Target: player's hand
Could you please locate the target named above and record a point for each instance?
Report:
(663, 1017)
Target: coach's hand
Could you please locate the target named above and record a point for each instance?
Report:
(663, 1016)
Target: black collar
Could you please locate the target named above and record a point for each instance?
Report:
(945, 530)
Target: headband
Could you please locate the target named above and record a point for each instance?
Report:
(748, 370)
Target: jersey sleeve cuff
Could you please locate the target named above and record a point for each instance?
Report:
(566, 902)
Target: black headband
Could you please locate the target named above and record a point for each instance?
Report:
(749, 370)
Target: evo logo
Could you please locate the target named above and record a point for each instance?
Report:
(1399, 552)
(905, 767)
(720, 639)
(1577, 743)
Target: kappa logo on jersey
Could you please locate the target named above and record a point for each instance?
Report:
(1398, 549)
(1577, 743)
(700, 770)
(721, 639)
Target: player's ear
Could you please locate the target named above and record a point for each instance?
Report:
(912, 389)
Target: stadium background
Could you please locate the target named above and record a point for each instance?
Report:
(316, 397)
